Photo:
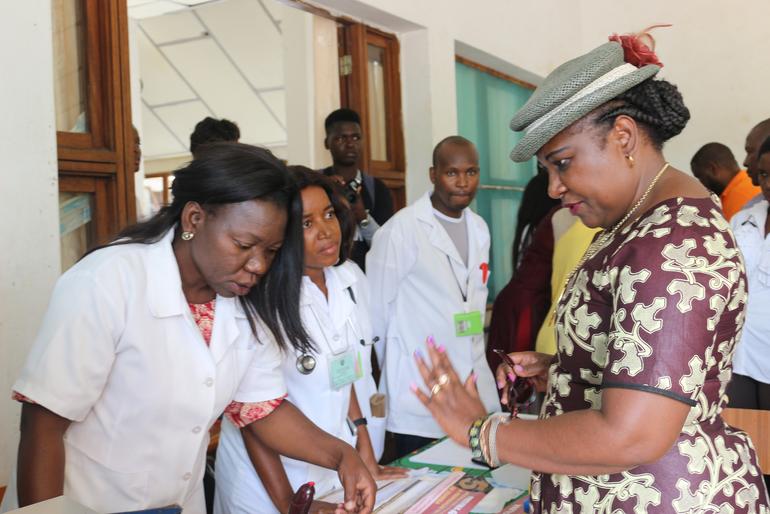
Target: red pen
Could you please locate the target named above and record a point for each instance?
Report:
(484, 272)
(302, 499)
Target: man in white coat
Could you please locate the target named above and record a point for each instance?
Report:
(428, 269)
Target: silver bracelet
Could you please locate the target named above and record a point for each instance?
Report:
(494, 459)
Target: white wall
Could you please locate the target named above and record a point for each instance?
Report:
(716, 53)
(29, 218)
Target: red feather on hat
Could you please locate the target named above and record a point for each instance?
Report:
(639, 48)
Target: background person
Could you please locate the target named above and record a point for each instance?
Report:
(148, 340)
(648, 322)
(428, 271)
(535, 205)
(372, 203)
(750, 385)
(754, 140)
(715, 166)
(210, 130)
(522, 305)
(334, 309)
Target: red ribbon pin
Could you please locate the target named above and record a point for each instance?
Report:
(484, 272)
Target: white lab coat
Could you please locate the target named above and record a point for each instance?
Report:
(416, 274)
(339, 323)
(752, 353)
(120, 355)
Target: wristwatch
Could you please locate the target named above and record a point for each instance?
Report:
(354, 424)
(365, 222)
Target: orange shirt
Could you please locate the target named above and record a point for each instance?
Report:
(739, 191)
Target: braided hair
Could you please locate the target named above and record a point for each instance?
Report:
(656, 105)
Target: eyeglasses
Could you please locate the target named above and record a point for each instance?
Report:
(521, 390)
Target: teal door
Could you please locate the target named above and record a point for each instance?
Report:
(485, 106)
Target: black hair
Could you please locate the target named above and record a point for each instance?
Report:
(656, 105)
(764, 148)
(714, 153)
(232, 173)
(305, 177)
(343, 115)
(210, 130)
(450, 140)
(535, 205)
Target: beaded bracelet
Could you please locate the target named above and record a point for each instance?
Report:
(474, 439)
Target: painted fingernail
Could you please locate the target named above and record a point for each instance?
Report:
(441, 349)
(418, 354)
(413, 387)
(500, 384)
(474, 377)
(431, 342)
(511, 377)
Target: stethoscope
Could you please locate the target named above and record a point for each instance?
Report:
(306, 362)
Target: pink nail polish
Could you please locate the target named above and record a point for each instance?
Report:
(431, 342)
(441, 349)
(511, 377)
(500, 385)
(413, 387)
(474, 377)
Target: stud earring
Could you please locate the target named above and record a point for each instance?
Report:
(630, 160)
(186, 236)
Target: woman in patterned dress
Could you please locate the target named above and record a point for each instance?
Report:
(647, 326)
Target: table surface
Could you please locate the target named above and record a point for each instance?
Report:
(405, 462)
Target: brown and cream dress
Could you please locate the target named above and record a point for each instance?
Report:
(658, 309)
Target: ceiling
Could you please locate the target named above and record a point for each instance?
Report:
(220, 58)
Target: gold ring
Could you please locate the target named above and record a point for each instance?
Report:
(435, 389)
(443, 379)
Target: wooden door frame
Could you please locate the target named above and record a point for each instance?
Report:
(104, 153)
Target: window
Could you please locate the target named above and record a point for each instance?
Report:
(370, 83)
(94, 137)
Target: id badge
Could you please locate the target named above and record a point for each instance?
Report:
(468, 324)
(345, 369)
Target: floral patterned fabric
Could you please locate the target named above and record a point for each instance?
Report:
(241, 414)
(658, 309)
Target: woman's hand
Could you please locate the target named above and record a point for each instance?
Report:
(381, 472)
(360, 488)
(454, 405)
(526, 364)
(365, 450)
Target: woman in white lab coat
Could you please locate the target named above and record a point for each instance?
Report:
(148, 340)
(331, 383)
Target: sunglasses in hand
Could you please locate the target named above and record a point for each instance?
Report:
(521, 390)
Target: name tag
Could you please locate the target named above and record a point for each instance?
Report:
(345, 369)
(468, 324)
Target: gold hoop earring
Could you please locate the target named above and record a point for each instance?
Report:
(186, 236)
(630, 160)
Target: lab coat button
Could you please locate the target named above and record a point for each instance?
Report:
(209, 382)
(196, 430)
(187, 476)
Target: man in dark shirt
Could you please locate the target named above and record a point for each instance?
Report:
(372, 203)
